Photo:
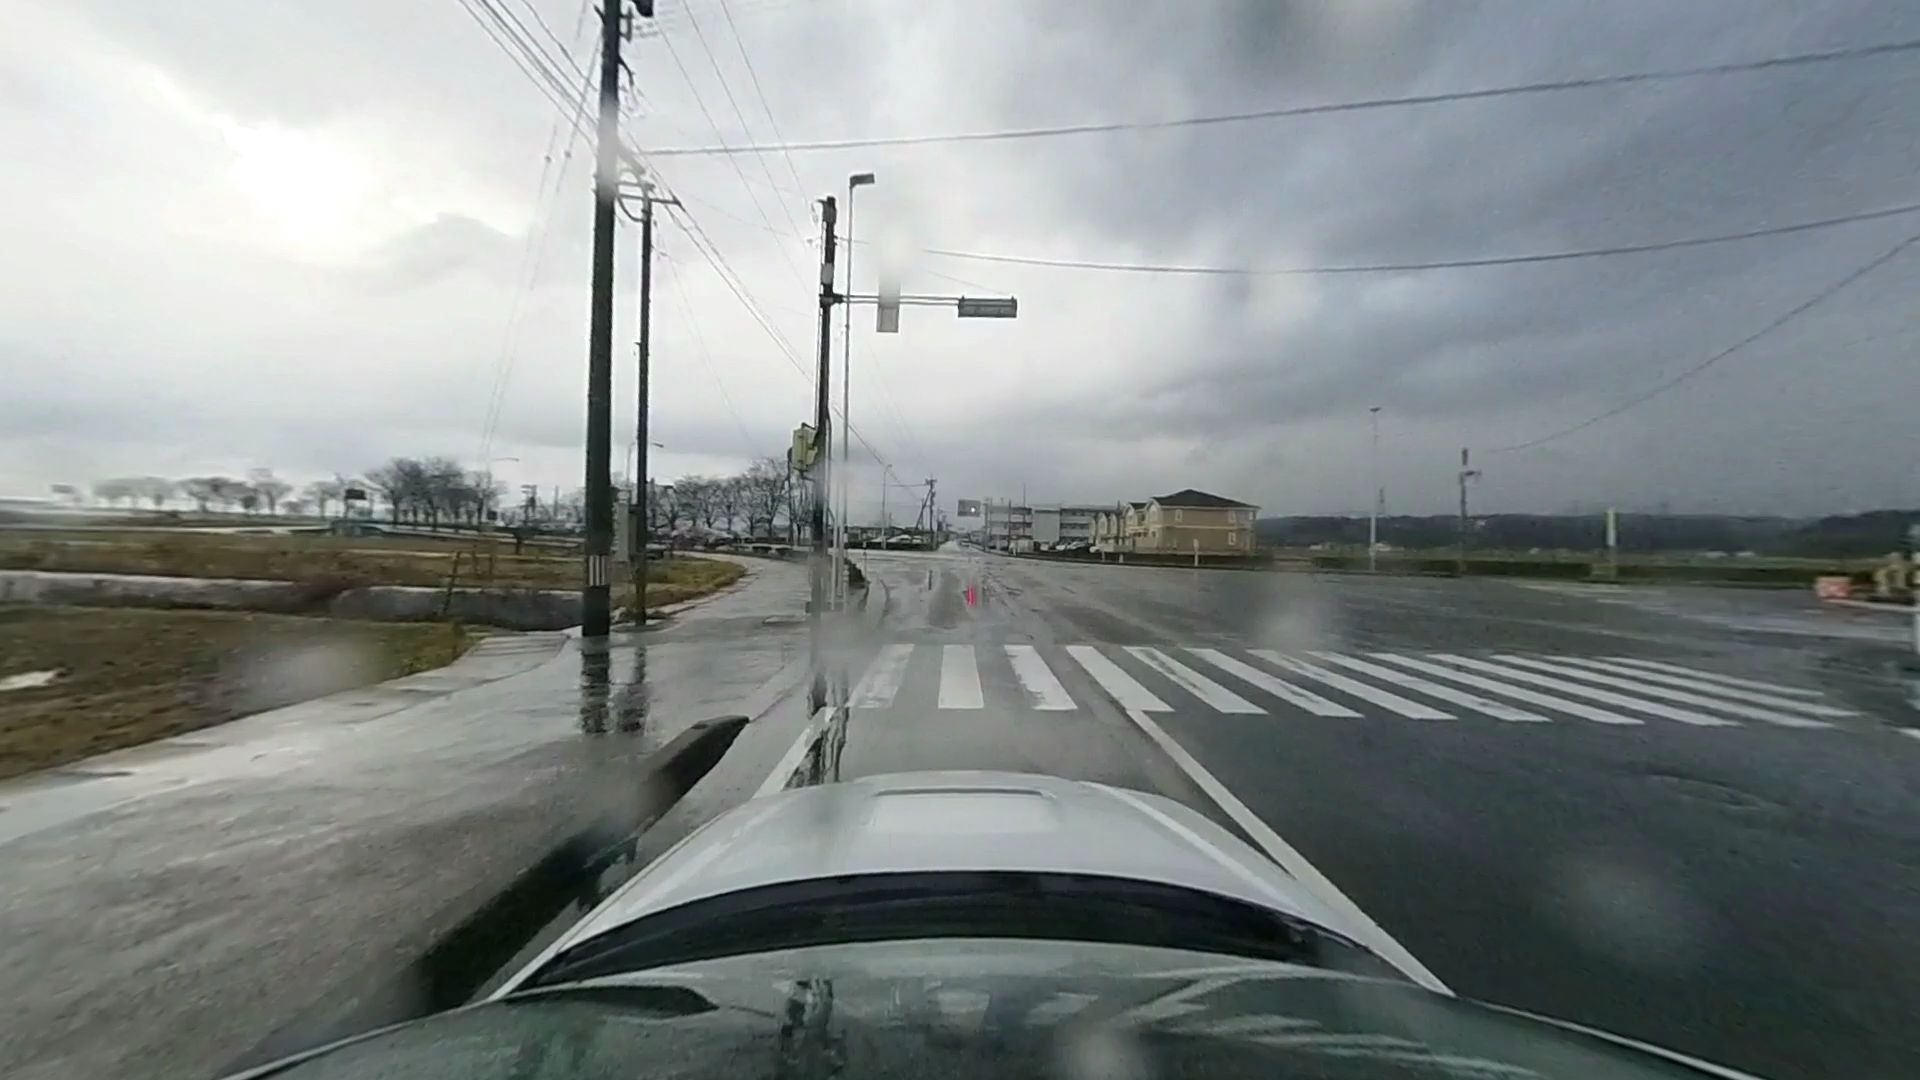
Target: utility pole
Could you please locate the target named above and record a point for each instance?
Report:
(642, 490)
(1466, 474)
(1379, 495)
(822, 420)
(595, 597)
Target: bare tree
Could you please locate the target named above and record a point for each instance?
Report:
(226, 491)
(269, 488)
(201, 489)
(156, 489)
(114, 489)
(729, 500)
(294, 507)
(324, 492)
(764, 495)
(65, 493)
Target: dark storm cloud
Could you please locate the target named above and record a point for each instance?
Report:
(1108, 384)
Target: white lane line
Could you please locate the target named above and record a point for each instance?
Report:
(1386, 699)
(1115, 681)
(1909, 731)
(1811, 708)
(1499, 710)
(1363, 928)
(882, 680)
(1604, 697)
(1285, 691)
(789, 762)
(1714, 676)
(1037, 679)
(959, 679)
(1751, 712)
(1221, 698)
(1518, 693)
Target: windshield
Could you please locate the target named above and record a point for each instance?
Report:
(985, 1008)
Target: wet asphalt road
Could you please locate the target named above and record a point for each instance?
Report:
(1709, 880)
(1742, 891)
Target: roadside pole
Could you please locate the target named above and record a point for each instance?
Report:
(822, 419)
(596, 596)
(1466, 474)
(1613, 545)
(642, 490)
(1379, 495)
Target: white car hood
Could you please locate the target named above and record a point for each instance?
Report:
(924, 821)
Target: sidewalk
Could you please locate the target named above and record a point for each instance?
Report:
(195, 896)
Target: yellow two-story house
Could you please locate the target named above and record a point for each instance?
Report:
(1182, 523)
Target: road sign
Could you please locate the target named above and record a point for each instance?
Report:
(354, 494)
(968, 508)
(990, 307)
(887, 312)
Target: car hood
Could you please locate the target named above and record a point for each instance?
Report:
(934, 821)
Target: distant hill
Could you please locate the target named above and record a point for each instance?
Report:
(1842, 536)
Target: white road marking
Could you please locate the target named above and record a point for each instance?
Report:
(1913, 732)
(1518, 693)
(1499, 710)
(1221, 698)
(882, 680)
(959, 679)
(1714, 676)
(1386, 699)
(1114, 680)
(1751, 712)
(1812, 708)
(783, 770)
(1369, 932)
(1605, 697)
(1038, 679)
(1286, 691)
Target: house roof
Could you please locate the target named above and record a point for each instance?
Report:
(1191, 497)
(1137, 505)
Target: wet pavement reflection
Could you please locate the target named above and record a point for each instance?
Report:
(606, 703)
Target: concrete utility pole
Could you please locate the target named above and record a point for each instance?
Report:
(1379, 495)
(595, 596)
(1466, 474)
(822, 426)
(642, 490)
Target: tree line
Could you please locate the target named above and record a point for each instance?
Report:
(762, 501)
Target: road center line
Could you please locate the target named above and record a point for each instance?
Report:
(1368, 932)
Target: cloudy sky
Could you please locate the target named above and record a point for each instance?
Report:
(312, 236)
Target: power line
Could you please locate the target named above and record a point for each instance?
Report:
(1703, 365)
(713, 371)
(711, 252)
(565, 49)
(1553, 86)
(1442, 264)
(714, 62)
(753, 75)
(738, 171)
(532, 61)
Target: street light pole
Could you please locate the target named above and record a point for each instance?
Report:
(822, 426)
(1379, 494)
(854, 182)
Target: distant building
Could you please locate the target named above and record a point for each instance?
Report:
(1183, 523)
(1013, 527)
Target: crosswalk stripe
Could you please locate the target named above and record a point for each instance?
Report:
(1756, 697)
(1751, 712)
(1518, 693)
(1038, 679)
(1499, 710)
(959, 679)
(1221, 698)
(1124, 688)
(1286, 691)
(1605, 697)
(1386, 699)
(1714, 676)
(876, 688)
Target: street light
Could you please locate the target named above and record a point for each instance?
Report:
(854, 183)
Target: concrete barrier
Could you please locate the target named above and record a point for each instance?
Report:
(149, 590)
(516, 609)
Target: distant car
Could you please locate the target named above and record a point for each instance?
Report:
(973, 924)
